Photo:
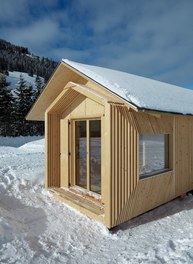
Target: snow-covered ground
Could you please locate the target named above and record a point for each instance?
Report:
(37, 228)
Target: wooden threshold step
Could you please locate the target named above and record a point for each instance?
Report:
(95, 207)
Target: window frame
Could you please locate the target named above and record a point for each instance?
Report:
(167, 157)
(73, 173)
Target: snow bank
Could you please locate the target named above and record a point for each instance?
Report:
(34, 146)
(37, 228)
(23, 161)
(17, 141)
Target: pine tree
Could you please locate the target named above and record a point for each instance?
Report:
(24, 100)
(38, 87)
(38, 126)
(6, 108)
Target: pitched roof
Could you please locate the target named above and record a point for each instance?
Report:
(142, 92)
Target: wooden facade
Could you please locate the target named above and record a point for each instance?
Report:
(69, 97)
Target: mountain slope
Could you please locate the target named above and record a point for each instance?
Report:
(16, 58)
(14, 76)
(23, 72)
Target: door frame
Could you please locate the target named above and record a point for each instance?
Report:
(72, 154)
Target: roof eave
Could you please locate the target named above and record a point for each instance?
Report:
(129, 104)
(148, 110)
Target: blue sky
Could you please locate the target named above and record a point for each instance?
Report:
(151, 38)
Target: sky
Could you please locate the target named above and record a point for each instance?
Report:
(151, 38)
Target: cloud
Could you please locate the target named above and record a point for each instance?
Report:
(150, 38)
(13, 12)
(153, 44)
(66, 53)
(38, 36)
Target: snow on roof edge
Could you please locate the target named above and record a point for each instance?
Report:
(66, 62)
(144, 93)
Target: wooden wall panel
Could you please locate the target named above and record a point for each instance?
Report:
(123, 194)
(153, 124)
(124, 161)
(106, 180)
(77, 108)
(146, 194)
(183, 154)
(143, 124)
(69, 104)
(131, 196)
(80, 108)
(84, 107)
(64, 100)
(150, 193)
(53, 150)
(64, 153)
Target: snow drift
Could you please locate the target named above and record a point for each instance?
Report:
(36, 228)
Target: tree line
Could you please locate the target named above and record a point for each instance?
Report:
(14, 106)
(16, 58)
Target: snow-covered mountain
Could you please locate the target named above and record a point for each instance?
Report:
(16, 58)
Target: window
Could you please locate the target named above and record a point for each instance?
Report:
(153, 154)
(88, 155)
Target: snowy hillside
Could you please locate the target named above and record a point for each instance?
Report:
(13, 79)
(37, 228)
(19, 59)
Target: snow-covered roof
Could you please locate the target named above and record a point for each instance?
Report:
(140, 91)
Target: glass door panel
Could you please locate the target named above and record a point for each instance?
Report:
(80, 154)
(95, 155)
(88, 155)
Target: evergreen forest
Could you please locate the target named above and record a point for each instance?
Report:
(16, 103)
(16, 58)
(14, 106)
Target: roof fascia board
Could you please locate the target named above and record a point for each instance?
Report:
(85, 90)
(42, 92)
(50, 92)
(130, 105)
(144, 110)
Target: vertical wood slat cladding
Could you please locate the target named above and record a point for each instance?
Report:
(53, 168)
(64, 153)
(127, 195)
(136, 196)
(124, 160)
(156, 190)
(53, 150)
(149, 124)
(67, 97)
(183, 154)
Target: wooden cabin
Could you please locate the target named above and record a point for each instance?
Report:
(117, 145)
